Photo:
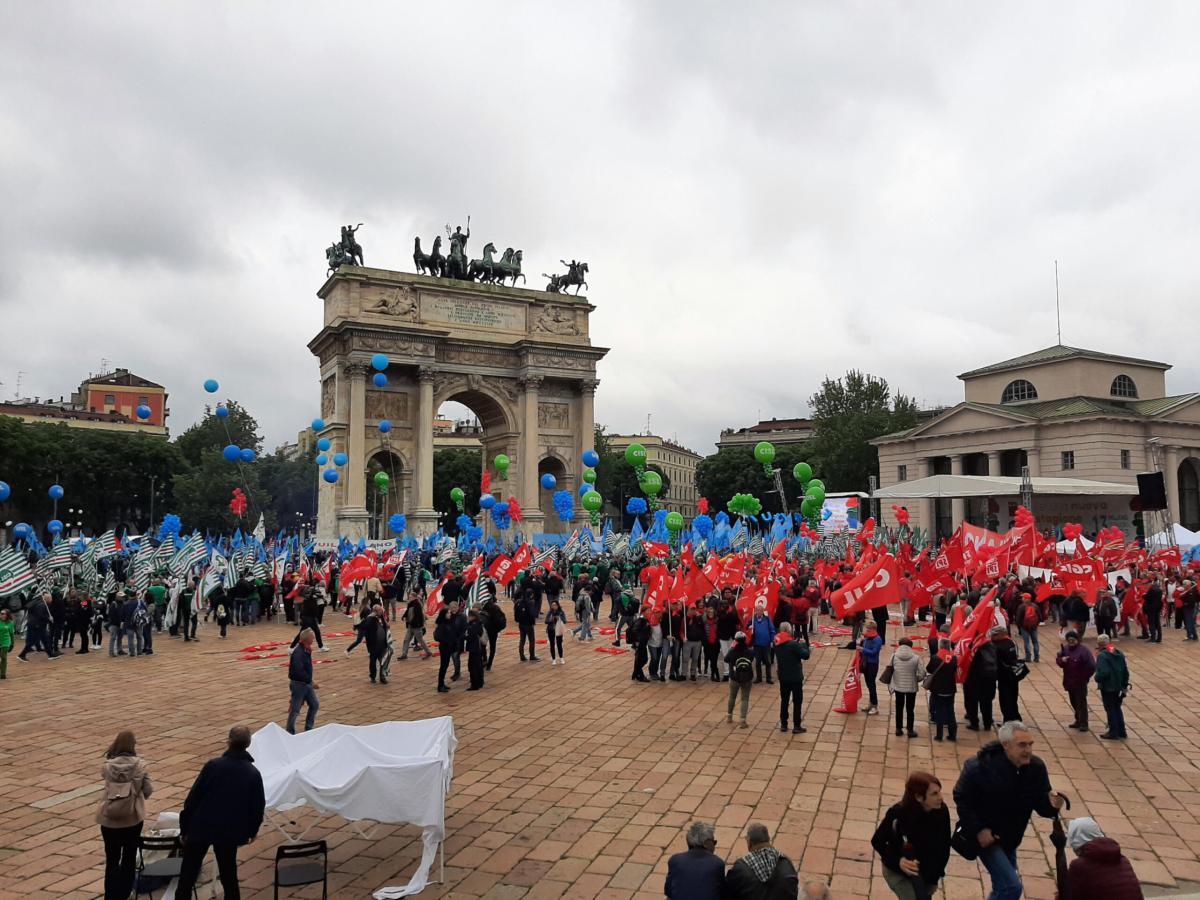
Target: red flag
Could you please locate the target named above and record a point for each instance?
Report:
(878, 585)
(851, 687)
(734, 572)
(1168, 555)
(659, 551)
(712, 569)
(499, 566)
(698, 585)
(505, 570)
(686, 557)
(657, 589)
(434, 603)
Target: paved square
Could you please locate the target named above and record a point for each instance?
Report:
(574, 781)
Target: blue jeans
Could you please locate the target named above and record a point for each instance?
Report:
(134, 636)
(1028, 636)
(1189, 622)
(656, 661)
(1002, 866)
(302, 693)
(585, 626)
(114, 639)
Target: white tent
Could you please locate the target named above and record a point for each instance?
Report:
(391, 772)
(998, 486)
(1184, 539)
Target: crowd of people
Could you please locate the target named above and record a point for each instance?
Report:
(714, 638)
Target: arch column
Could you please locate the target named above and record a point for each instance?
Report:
(425, 516)
(530, 506)
(957, 504)
(353, 517)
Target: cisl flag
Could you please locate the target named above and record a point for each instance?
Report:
(877, 585)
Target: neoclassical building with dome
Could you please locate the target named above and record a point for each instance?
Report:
(1065, 412)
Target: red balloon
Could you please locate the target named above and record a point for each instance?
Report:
(851, 503)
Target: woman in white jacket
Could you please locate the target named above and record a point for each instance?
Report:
(906, 679)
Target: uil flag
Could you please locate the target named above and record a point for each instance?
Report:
(434, 603)
(877, 585)
(851, 687)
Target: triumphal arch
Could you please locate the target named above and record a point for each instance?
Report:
(520, 359)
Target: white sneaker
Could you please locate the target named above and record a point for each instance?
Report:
(561, 661)
(324, 649)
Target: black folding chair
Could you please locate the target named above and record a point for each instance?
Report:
(166, 868)
(295, 874)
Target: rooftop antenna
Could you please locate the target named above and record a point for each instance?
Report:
(1057, 307)
(648, 424)
(20, 375)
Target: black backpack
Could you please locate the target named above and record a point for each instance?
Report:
(743, 669)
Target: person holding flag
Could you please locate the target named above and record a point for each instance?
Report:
(869, 649)
(789, 656)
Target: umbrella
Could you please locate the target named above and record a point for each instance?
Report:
(1058, 837)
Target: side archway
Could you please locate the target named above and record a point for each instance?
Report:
(1189, 493)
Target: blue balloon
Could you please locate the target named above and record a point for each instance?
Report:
(549, 482)
(487, 501)
(501, 508)
(211, 385)
(826, 513)
(144, 412)
(55, 492)
(591, 458)
(5, 491)
(379, 379)
(340, 459)
(398, 522)
(324, 444)
(584, 488)
(384, 426)
(322, 459)
(222, 412)
(318, 424)
(54, 526)
(247, 455)
(21, 531)
(379, 362)
(330, 475)
(232, 452)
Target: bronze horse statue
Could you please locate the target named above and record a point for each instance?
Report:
(434, 263)
(482, 268)
(575, 276)
(508, 266)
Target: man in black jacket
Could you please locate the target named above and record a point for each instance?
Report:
(979, 690)
(373, 631)
(523, 612)
(1152, 606)
(37, 628)
(494, 622)
(639, 636)
(449, 631)
(224, 809)
(997, 792)
(310, 613)
(763, 873)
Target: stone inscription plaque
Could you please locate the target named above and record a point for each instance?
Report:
(473, 313)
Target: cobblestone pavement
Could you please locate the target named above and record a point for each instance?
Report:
(573, 781)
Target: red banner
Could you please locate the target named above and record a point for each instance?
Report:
(851, 687)
(877, 585)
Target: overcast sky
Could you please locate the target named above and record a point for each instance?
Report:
(765, 193)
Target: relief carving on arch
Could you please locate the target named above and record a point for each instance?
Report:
(391, 405)
(328, 397)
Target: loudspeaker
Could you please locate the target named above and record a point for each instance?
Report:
(1152, 492)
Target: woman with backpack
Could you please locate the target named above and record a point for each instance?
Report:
(122, 812)
(740, 661)
(556, 628)
(913, 840)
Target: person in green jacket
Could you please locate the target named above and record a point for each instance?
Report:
(789, 658)
(7, 638)
(157, 592)
(1112, 678)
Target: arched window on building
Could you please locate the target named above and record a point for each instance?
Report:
(1123, 386)
(1018, 390)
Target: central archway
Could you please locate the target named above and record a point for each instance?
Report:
(381, 504)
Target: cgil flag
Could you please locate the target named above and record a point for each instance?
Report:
(877, 585)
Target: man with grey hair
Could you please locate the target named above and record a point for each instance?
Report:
(699, 873)
(763, 873)
(996, 794)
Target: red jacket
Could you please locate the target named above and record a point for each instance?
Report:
(1101, 871)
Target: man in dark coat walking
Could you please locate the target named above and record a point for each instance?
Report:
(224, 809)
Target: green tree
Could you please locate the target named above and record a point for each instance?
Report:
(847, 413)
(215, 433)
(203, 495)
(459, 468)
(290, 486)
(733, 470)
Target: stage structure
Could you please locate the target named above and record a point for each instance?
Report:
(520, 359)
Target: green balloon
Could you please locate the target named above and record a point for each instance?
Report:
(457, 494)
(382, 479)
(815, 492)
(674, 521)
(635, 455)
(764, 452)
(802, 472)
(808, 508)
(651, 482)
(590, 476)
(815, 483)
(592, 501)
(501, 462)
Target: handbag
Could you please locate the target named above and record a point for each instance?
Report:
(886, 676)
(1020, 670)
(965, 845)
(927, 681)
